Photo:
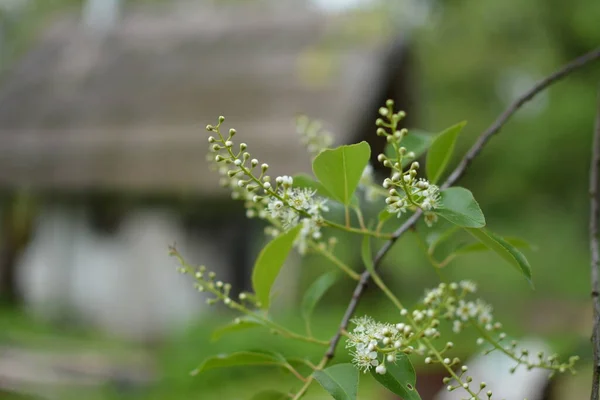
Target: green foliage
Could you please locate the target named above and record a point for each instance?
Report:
(315, 292)
(340, 381)
(441, 151)
(269, 263)
(460, 207)
(270, 395)
(340, 169)
(239, 359)
(504, 249)
(296, 212)
(367, 257)
(480, 247)
(400, 378)
(416, 141)
(239, 324)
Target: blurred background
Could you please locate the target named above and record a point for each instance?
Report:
(103, 105)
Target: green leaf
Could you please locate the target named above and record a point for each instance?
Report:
(269, 263)
(505, 250)
(315, 292)
(340, 381)
(460, 207)
(340, 169)
(416, 141)
(237, 359)
(400, 378)
(480, 247)
(366, 255)
(270, 395)
(239, 324)
(436, 237)
(441, 151)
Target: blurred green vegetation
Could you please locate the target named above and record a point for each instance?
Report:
(531, 181)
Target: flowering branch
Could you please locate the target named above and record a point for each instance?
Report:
(595, 256)
(295, 209)
(458, 172)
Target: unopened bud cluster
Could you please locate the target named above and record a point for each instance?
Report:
(405, 189)
(466, 382)
(275, 200)
(206, 281)
(312, 135)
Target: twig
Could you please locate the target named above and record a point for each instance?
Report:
(595, 256)
(514, 107)
(452, 178)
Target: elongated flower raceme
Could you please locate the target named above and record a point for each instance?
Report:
(275, 200)
(374, 344)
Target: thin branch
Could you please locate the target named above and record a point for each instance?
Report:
(454, 176)
(595, 256)
(513, 108)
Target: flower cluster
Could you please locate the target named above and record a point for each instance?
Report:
(312, 135)
(275, 200)
(405, 190)
(451, 303)
(375, 343)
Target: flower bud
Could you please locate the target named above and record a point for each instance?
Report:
(221, 119)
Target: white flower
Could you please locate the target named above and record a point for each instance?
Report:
(484, 312)
(468, 286)
(466, 310)
(364, 360)
(317, 206)
(367, 175)
(456, 326)
(300, 199)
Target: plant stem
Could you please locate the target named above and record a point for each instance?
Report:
(336, 261)
(595, 256)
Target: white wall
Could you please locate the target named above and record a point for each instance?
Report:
(125, 284)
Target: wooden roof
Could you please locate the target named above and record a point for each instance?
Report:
(128, 111)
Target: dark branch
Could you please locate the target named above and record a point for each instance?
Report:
(595, 256)
(514, 107)
(455, 176)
